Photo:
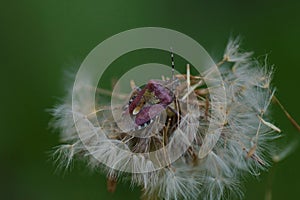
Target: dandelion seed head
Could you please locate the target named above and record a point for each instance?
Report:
(217, 146)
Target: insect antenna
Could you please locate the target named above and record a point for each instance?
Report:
(177, 109)
(172, 62)
(173, 70)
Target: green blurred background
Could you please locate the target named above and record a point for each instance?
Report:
(42, 39)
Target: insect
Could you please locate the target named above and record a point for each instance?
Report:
(154, 97)
(145, 105)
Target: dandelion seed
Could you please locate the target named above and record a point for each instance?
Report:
(272, 126)
(233, 52)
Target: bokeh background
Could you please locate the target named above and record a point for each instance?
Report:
(42, 39)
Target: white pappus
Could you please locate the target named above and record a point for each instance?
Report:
(244, 146)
